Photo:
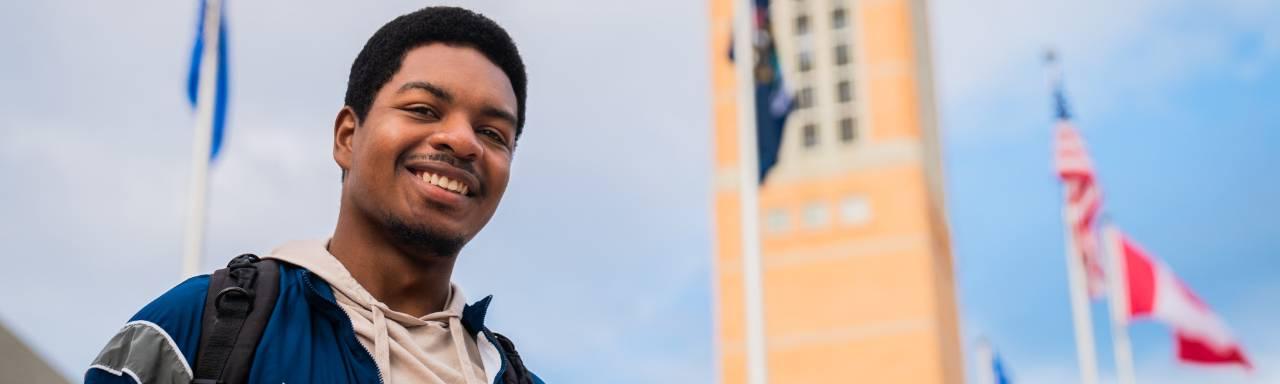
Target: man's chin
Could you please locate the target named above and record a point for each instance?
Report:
(424, 239)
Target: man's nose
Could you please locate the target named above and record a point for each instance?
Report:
(457, 137)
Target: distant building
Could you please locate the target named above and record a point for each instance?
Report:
(858, 282)
(19, 364)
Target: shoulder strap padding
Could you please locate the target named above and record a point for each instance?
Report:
(238, 305)
(516, 373)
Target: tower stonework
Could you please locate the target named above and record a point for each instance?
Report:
(857, 271)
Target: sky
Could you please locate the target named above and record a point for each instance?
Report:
(1176, 101)
(600, 256)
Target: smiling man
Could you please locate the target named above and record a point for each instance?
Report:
(434, 105)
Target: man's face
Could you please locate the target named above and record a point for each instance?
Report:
(431, 160)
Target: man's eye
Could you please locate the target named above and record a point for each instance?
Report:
(424, 112)
(495, 135)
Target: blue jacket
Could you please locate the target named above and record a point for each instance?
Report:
(308, 339)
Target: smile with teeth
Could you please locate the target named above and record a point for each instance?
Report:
(445, 183)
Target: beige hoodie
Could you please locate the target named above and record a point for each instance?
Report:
(431, 349)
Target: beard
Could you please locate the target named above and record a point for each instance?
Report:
(423, 239)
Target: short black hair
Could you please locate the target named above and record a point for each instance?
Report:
(385, 51)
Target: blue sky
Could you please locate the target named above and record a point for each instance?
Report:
(599, 257)
(1176, 100)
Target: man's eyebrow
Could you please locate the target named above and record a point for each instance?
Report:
(499, 113)
(430, 88)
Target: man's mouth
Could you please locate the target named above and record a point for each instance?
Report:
(444, 183)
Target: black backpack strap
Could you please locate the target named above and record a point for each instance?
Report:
(236, 310)
(516, 373)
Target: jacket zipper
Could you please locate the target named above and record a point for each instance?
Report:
(307, 279)
(502, 355)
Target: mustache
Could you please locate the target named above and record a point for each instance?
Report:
(463, 165)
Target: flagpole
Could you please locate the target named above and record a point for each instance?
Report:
(1118, 285)
(748, 182)
(202, 140)
(985, 359)
(1086, 355)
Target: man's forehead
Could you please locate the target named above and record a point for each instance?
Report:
(454, 68)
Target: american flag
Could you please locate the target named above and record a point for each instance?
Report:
(1083, 197)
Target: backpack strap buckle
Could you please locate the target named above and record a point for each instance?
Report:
(238, 305)
(233, 302)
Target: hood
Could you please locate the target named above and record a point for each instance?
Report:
(369, 316)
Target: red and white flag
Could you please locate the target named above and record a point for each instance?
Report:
(1083, 201)
(1156, 293)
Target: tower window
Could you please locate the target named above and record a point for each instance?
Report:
(802, 25)
(777, 221)
(810, 133)
(844, 91)
(804, 98)
(842, 54)
(848, 130)
(855, 210)
(815, 215)
(838, 18)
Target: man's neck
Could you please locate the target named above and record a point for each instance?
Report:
(410, 283)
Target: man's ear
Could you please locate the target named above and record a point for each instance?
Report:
(344, 133)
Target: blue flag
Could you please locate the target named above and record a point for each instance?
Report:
(773, 102)
(220, 86)
(997, 370)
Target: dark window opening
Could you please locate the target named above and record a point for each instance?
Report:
(804, 98)
(810, 135)
(844, 91)
(848, 130)
(802, 25)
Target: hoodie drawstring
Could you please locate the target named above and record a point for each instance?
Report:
(381, 342)
(372, 321)
(460, 344)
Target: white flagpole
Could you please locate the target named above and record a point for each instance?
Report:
(202, 140)
(1086, 354)
(985, 360)
(748, 182)
(1118, 285)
